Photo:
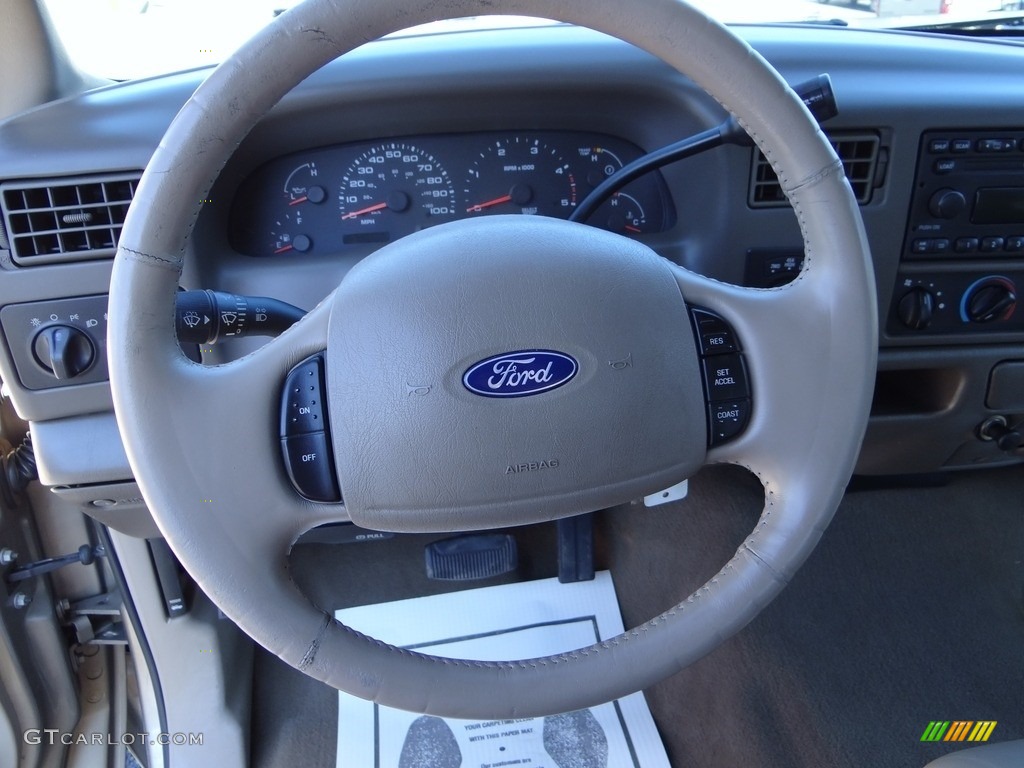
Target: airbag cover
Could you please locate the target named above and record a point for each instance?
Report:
(505, 370)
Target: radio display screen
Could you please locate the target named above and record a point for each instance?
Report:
(999, 205)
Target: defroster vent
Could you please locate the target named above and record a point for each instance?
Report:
(55, 220)
(859, 153)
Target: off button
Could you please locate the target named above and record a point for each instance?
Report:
(307, 458)
(726, 378)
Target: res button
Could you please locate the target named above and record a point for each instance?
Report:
(715, 336)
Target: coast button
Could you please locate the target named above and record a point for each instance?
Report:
(727, 420)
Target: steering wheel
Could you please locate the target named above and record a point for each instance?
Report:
(415, 449)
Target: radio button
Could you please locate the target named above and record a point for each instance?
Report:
(946, 165)
(962, 145)
(992, 244)
(940, 245)
(947, 204)
(921, 246)
(1015, 244)
(996, 145)
(966, 245)
(938, 146)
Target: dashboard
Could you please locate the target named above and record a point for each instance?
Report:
(371, 193)
(410, 132)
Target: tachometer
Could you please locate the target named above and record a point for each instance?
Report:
(391, 190)
(520, 175)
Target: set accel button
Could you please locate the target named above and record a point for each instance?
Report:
(725, 377)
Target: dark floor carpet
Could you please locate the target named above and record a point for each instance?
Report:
(909, 611)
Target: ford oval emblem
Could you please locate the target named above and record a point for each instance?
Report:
(518, 374)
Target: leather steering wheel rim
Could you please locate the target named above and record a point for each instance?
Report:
(213, 479)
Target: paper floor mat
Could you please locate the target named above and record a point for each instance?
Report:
(511, 621)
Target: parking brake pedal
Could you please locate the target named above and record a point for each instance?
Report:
(464, 558)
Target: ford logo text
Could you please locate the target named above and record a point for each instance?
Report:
(518, 374)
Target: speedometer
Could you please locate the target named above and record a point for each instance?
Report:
(392, 190)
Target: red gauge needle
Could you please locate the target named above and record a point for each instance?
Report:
(284, 249)
(361, 211)
(496, 201)
(632, 229)
(299, 200)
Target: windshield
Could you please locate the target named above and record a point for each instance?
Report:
(126, 39)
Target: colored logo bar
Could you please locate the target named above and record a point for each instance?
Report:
(958, 730)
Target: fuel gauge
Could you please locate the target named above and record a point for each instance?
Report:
(284, 237)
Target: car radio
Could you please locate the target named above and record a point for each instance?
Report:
(961, 266)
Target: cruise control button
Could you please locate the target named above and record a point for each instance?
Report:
(302, 404)
(307, 459)
(726, 378)
(708, 321)
(717, 342)
(714, 334)
(727, 420)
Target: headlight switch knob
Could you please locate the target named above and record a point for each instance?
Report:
(63, 350)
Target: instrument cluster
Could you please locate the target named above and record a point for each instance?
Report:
(328, 200)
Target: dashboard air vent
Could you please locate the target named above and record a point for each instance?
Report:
(859, 153)
(56, 220)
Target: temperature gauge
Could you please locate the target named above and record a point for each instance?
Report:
(601, 163)
(621, 213)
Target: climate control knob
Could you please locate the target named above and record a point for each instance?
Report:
(63, 350)
(915, 309)
(947, 204)
(989, 299)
